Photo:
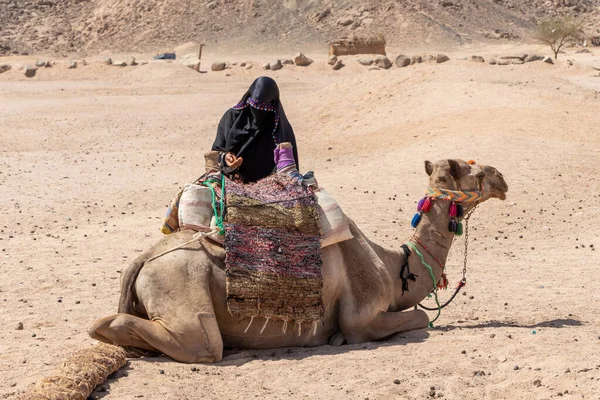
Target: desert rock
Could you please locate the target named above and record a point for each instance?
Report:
(275, 65)
(402, 61)
(302, 61)
(218, 66)
(29, 71)
(338, 65)
(441, 58)
(382, 62)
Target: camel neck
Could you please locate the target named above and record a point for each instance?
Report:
(433, 234)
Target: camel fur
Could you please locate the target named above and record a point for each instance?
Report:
(175, 304)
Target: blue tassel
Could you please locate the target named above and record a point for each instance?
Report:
(452, 226)
(416, 219)
(460, 211)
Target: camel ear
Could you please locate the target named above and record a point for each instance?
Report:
(454, 169)
(428, 167)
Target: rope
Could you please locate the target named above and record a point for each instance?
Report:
(439, 308)
(461, 284)
(196, 236)
(218, 214)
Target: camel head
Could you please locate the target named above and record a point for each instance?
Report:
(467, 176)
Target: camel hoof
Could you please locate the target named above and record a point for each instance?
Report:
(337, 339)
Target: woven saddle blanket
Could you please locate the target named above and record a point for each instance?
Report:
(273, 252)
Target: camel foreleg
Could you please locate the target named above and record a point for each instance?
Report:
(384, 324)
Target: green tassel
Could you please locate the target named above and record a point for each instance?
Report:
(459, 229)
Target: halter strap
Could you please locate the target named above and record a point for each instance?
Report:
(458, 196)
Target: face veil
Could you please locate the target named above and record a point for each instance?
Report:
(253, 128)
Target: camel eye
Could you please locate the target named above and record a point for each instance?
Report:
(442, 179)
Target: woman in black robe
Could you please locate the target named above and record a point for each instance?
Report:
(249, 132)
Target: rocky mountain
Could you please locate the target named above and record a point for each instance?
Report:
(88, 26)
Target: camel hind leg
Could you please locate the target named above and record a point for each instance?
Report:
(196, 341)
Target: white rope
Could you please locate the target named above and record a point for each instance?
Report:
(197, 236)
(265, 325)
(248, 327)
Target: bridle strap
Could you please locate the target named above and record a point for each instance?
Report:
(459, 196)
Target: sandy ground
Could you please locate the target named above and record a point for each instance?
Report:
(91, 157)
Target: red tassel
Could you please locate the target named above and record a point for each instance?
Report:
(426, 205)
(443, 283)
(453, 210)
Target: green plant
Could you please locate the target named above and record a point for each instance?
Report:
(558, 31)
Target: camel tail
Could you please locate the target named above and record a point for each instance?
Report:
(77, 377)
(128, 298)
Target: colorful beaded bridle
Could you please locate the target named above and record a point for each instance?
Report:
(259, 105)
(456, 197)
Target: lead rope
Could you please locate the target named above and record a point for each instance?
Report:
(462, 282)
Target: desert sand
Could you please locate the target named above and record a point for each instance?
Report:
(91, 157)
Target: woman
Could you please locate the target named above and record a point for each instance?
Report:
(249, 132)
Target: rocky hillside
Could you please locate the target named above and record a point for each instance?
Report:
(88, 26)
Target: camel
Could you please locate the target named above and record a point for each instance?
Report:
(175, 304)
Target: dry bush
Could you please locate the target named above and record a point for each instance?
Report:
(558, 31)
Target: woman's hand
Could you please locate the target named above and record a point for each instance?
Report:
(232, 161)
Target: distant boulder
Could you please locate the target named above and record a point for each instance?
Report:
(287, 62)
(130, 61)
(72, 64)
(302, 61)
(275, 65)
(478, 59)
(366, 61)
(548, 60)
(332, 60)
(107, 61)
(416, 60)
(218, 66)
(4, 68)
(382, 62)
(266, 66)
(402, 61)
(338, 65)
(40, 63)
(29, 71)
(533, 57)
(441, 58)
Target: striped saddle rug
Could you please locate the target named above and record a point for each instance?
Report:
(273, 252)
